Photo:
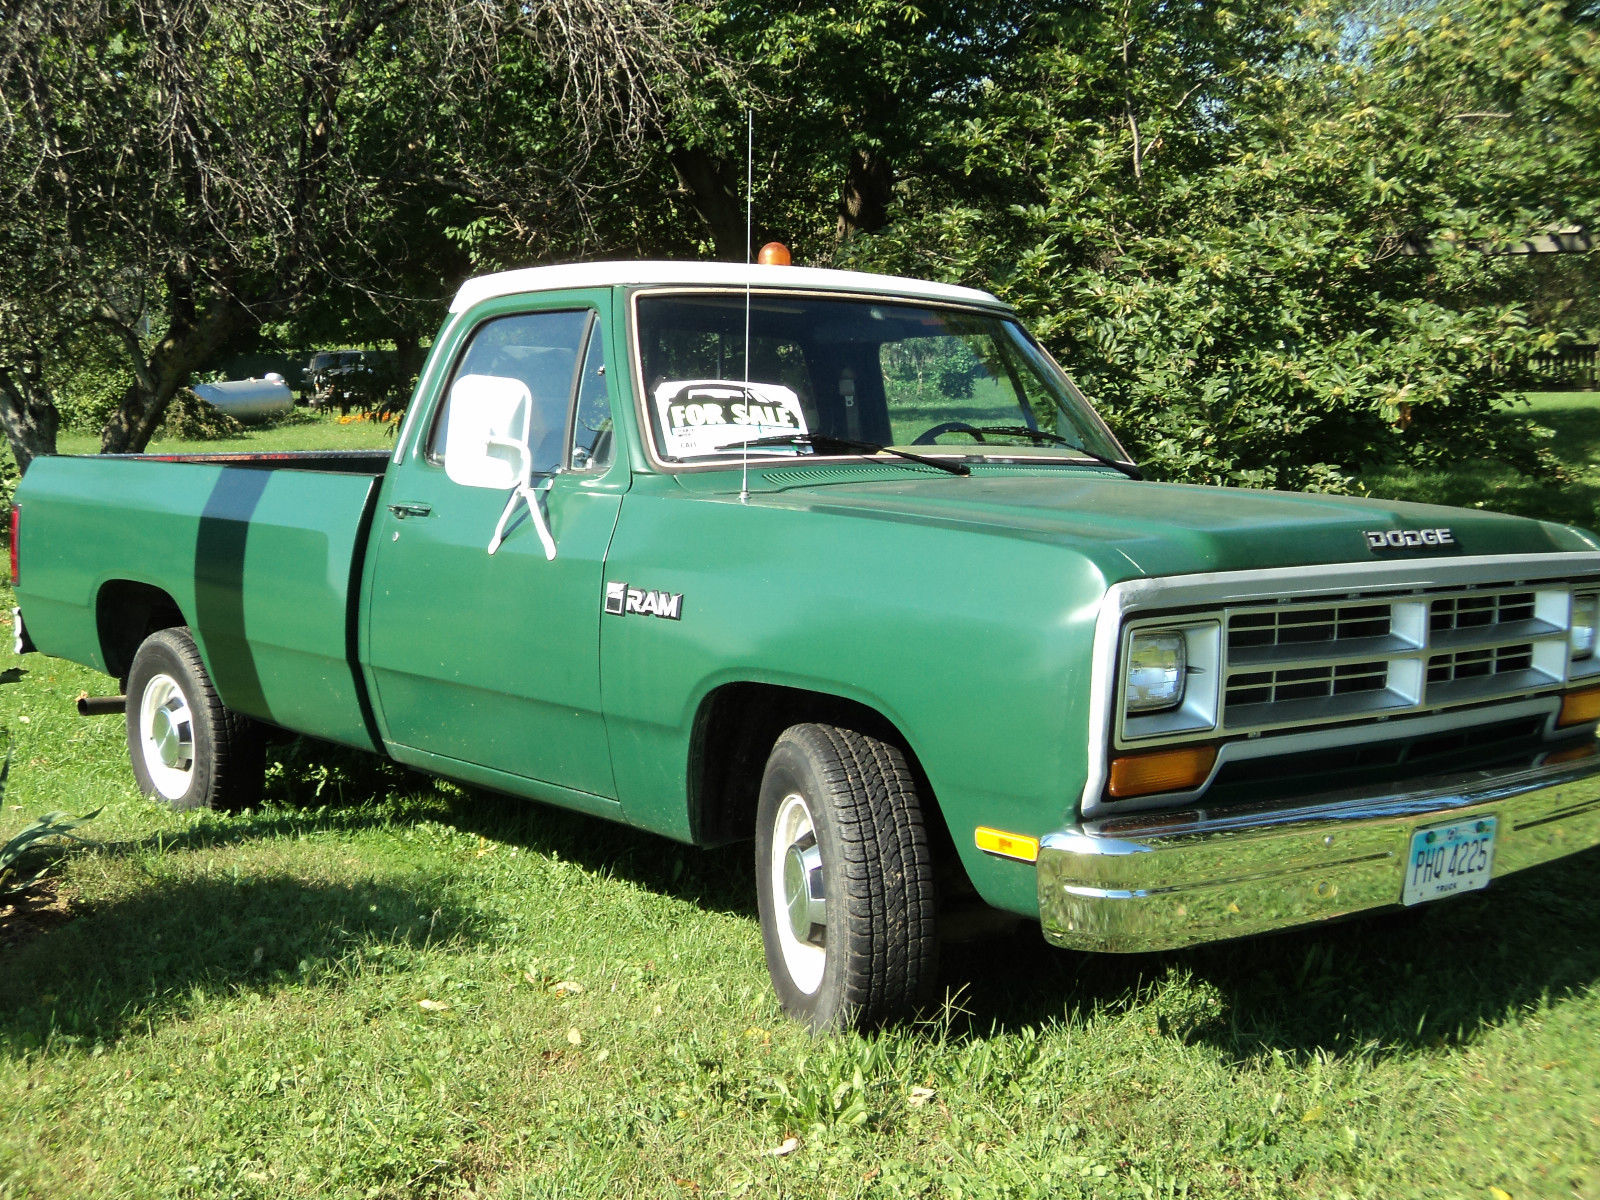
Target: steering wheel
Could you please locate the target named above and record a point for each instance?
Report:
(926, 438)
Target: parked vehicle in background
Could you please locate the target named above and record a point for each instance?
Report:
(348, 379)
(846, 566)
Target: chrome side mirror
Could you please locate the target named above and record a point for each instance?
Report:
(486, 433)
(486, 446)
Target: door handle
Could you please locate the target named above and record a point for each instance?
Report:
(402, 511)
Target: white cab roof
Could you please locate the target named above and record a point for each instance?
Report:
(715, 274)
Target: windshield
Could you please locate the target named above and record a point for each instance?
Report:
(894, 373)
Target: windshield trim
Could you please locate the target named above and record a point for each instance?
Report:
(1072, 455)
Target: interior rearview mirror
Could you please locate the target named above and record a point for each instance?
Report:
(486, 432)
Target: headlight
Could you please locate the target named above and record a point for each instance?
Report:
(1585, 616)
(1157, 670)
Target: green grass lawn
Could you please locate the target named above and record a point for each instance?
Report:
(378, 985)
(1574, 419)
(302, 430)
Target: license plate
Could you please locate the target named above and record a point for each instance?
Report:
(1446, 860)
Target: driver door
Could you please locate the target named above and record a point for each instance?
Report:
(492, 660)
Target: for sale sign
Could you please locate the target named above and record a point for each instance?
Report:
(706, 416)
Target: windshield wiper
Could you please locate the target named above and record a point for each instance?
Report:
(826, 443)
(1041, 437)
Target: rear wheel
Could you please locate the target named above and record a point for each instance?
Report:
(187, 749)
(845, 883)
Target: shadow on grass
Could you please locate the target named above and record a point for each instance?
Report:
(717, 880)
(147, 958)
(321, 788)
(1384, 984)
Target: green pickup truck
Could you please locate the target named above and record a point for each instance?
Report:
(846, 565)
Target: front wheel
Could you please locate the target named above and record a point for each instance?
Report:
(186, 747)
(844, 876)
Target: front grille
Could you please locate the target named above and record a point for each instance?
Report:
(1306, 683)
(1476, 664)
(1330, 659)
(1475, 612)
(1301, 626)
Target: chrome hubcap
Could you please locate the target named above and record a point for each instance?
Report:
(795, 883)
(802, 886)
(169, 739)
(166, 736)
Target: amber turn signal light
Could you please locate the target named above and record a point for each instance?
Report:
(1008, 845)
(1161, 771)
(1579, 708)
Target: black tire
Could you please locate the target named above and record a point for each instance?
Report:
(187, 749)
(839, 816)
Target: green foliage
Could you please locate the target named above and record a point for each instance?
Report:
(1211, 222)
(1206, 210)
(1267, 356)
(191, 419)
(88, 386)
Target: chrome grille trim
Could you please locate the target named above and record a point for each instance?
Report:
(1489, 661)
(1203, 596)
(1305, 683)
(1312, 660)
(1473, 610)
(1329, 659)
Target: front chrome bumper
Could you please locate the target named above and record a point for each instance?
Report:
(1161, 880)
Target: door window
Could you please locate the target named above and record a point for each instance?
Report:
(541, 350)
(591, 427)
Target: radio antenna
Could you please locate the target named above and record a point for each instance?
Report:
(749, 239)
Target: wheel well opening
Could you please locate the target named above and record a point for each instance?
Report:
(733, 734)
(125, 614)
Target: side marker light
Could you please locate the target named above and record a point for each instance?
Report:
(1008, 845)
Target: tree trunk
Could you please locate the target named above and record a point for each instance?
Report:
(868, 188)
(713, 191)
(29, 415)
(408, 359)
(157, 379)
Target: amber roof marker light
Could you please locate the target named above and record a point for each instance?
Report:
(774, 254)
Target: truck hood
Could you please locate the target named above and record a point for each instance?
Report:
(1134, 529)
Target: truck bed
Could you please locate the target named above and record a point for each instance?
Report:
(261, 553)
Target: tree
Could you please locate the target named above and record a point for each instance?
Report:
(1206, 211)
(845, 97)
(179, 171)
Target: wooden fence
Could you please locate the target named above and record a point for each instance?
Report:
(1569, 369)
